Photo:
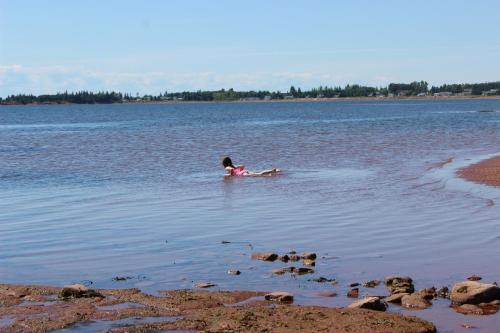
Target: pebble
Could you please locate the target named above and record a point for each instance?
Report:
(309, 262)
(265, 256)
(371, 303)
(308, 255)
(204, 285)
(371, 284)
(353, 293)
(233, 272)
(279, 296)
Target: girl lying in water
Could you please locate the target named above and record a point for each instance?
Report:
(239, 170)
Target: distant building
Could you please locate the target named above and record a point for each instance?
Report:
(267, 98)
(249, 99)
(288, 97)
(443, 94)
(490, 92)
(422, 95)
(403, 93)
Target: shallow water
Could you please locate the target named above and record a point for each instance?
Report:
(97, 191)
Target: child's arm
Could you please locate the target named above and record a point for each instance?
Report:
(240, 167)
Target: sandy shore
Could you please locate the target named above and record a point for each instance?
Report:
(485, 172)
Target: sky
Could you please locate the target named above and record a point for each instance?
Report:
(155, 46)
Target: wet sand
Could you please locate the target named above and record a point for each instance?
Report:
(485, 172)
(38, 309)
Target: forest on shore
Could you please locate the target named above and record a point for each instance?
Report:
(416, 88)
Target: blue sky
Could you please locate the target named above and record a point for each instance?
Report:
(153, 46)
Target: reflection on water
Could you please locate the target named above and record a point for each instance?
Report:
(98, 191)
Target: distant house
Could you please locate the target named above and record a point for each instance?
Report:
(443, 94)
(490, 92)
(267, 98)
(288, 97)
(403, 93)
(249, 99)
(422, 95)
(390, 95)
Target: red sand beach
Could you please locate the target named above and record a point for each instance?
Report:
(485, 172)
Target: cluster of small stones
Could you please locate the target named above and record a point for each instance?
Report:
(308, 260)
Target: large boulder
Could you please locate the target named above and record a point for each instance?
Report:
(415, 301)
(371, 303)
(279, 296)
(399, 284)
(473, 292)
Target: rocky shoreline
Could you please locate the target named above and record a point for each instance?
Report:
(36, 309)
(27, 308)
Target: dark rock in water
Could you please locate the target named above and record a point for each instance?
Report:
(355, 284)
(395, 298)
(279, 296)
(472, 292)
(443, 292)
(486, 111)
(225, 242)
(308, 255)
(292, 252)
(283, 270)
(284, 258)
(265, 256)
(294, 257)
(328, 294)
(371, 284)
(309, 262)
(473, 309)
(322, 279)
(353, 293)
(78, 291)
(371, 303)
(122, 278)
(399, 284)
(415, 301)
(474, 278)
(204, 285)
(303, 270)
(428, 293)
(233, 272)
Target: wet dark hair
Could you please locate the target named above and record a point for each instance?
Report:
(226, 162)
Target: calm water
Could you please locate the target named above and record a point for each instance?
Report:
(88, 193)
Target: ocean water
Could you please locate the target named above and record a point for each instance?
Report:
(90, 192)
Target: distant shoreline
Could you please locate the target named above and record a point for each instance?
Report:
(294, 100)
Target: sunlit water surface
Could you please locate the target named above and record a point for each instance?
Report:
(88, 193)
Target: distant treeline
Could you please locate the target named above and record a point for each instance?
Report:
(417, 88)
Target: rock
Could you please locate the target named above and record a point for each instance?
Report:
(204, 285)
(308, 255)
(395, 298)
(294, 257)
(486, 111)
(265, 256)
(328, 294)
(279, 296)
(468, 326)
(283, 270)
(428, 293)
(371, 284)
(399, 284)
(284, 258)
(472, 309)
(371, 303)
(443, 292)
(353, 293)
(474, 278)
(472, 292)
(233, 272)
(415, 301)
(78, 291)
(122, 278)
(355, 284)
(303, 270)
(322, 279)
(225, 242)
(309, 262)
(292, 252)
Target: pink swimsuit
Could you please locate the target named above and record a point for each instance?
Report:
(239, 172)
